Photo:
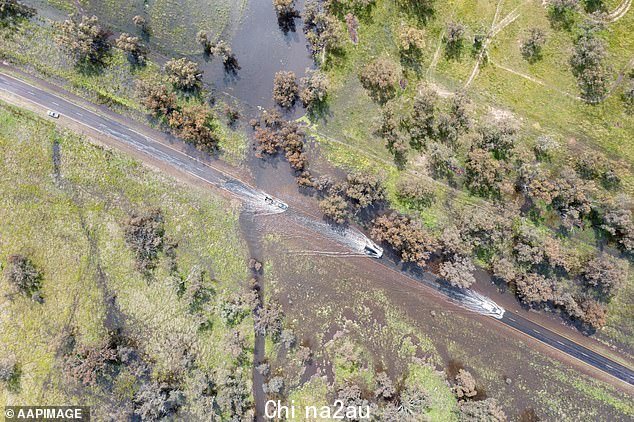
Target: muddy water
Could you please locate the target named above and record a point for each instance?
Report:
(262, 49)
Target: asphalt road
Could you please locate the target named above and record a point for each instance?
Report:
(183, 162)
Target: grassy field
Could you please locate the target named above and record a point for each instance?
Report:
(542, 97)
(69, 220)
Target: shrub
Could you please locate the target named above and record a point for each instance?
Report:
(24, 277)
(144, 234)
(532, 45)
(465, 386)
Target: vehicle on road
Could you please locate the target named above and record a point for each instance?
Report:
(53, 114)
(276, 203)
(373, 250)
(494, 310)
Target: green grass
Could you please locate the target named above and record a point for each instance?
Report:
(73, 229)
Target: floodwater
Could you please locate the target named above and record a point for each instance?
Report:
(262, 49)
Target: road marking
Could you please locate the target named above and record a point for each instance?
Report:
(511, 319)
(78, 113)
(32, 93)
(584, 354)
(609, 366)
(54, 103)
(537, 331)
(558, 342)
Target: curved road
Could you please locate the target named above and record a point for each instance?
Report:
(182, 161)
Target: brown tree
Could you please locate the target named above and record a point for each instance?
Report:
(465, 385)
(458, 271)
(285, 89)
(363, 189)
(145, 235)
(156, 97)
(487, 410)
(534, 288)
(606, 273)
(406, 236)
(594, 313)
(196, 125)
(314, 90)
(335, 208)
(484, 173)
(379, 77)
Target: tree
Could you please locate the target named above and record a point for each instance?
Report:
(484, 173)
(314, 90)
(532, 44)
(458, 271)
(285, 8)
(571, 198)
(24, 277)
(406, 236)
(545, 146)
(422, 122)
(137, 52)
(534, 288)
(220, 49)
(414, 402)
(606, 273)
(498, 137)
(85, 40)
(389, 128)
(379, 78)
(411, 41)
(363, 190)
(628, 92)
(616, 220)
(335, 208)
(156, 97)
(12, 11)
(157, 401)
(86, 363)
(459, 110)
(465, 386)
(195, 124)
(454, 38)
(591, 165)
(323, 31)
(184, 74)
(587, 62)
(285, 89)
(415, 192)
(594, 314)
(442, 160)
(536, 184)
(563, 11)
(141, 23)
(481, 411)
(384, 387)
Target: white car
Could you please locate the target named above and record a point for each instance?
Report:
(53, 114)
